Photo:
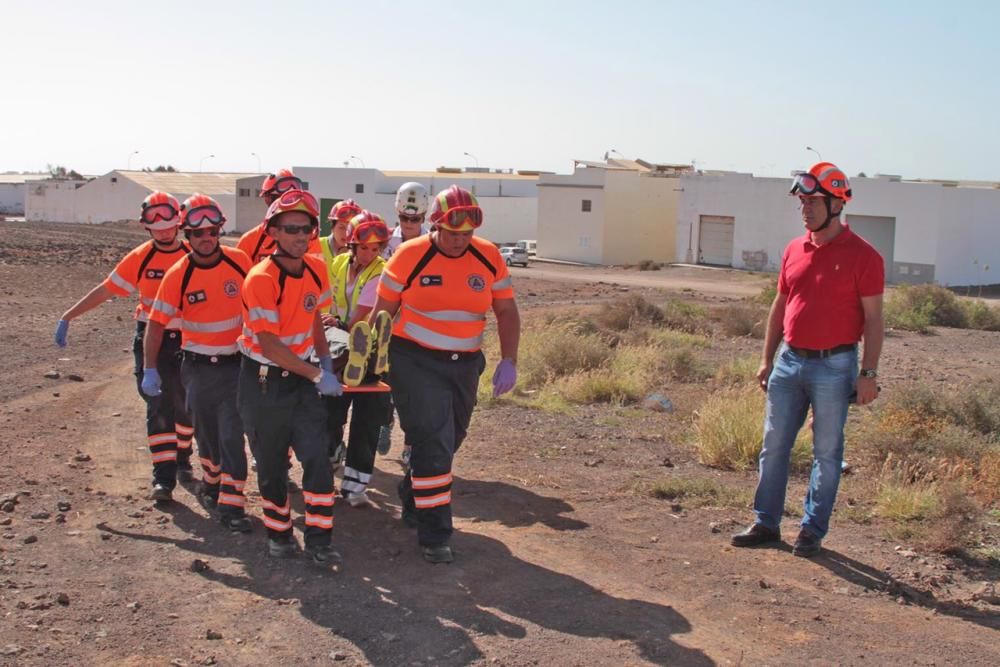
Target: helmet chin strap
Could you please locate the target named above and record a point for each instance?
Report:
(830, 215)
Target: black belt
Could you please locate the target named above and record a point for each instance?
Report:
(269, 371)
(214, 359)
(822, 354)
(441, 355)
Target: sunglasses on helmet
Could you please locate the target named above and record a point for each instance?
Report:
(370, 233)
(158, 212)
(458, 217)
(410, 218)
(201, 215)
(299, 200)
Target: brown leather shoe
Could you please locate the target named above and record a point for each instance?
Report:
(755, 535)
(807, 545)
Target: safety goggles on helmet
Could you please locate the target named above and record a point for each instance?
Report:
(462, 218)
(298, 200)
(201, 215)
(157, 213)
(287, 183)
(808, 185)
(370, 233)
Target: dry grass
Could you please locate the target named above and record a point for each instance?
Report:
(632, 311)
(729, 431)
(742, 319)
(938, 461)
(738, 371)
(684, 316)
(702, 492)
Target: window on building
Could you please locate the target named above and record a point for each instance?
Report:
(585, 206)
(305, 185)
(114, 179)
(359, 188)
(244, 192)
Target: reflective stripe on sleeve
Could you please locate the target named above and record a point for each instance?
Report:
(390, 283)
(164, 308)
(264, 314)
(120, 282)
(502, 284)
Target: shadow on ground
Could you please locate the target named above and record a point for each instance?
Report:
(396, 608)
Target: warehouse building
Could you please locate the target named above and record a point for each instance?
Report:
(14, 192)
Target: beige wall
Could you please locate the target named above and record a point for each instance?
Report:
(644, 208)
(250, 209)
(566, 232)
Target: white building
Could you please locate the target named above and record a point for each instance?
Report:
(927, 231)
(509, 199)
(14, 192)
(612, 212)
(117, 195)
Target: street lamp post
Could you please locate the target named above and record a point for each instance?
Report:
(130, 159)
(258, 162)
(810, 148)
(473, 157)
(201, 163)
(355, 157)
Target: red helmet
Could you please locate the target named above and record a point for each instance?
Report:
(366, 227)
(456, 209)
(293, 200)
(199, 210)
(344, 210)
(283, 181)
(159, 211)
(824, 179)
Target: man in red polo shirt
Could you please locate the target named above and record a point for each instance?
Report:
(829, 297)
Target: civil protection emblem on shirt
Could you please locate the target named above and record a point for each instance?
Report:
(231, 289)
(476, 282)
(309, 302)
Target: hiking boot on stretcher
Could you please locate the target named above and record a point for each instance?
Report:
(383, 332)
(359, 348)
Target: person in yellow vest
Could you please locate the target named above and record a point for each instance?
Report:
(354, 280)
(340, 219)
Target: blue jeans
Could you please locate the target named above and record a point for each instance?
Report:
(795, 384)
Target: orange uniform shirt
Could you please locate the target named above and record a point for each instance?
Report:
(257, 244)
(444, 300)
(143, 269)
(207, 301)
(278, 302)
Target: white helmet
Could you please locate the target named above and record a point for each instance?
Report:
(411, 199)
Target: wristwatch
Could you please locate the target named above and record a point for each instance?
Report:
(868, 373)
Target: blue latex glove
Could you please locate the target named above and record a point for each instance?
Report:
(504, 377)
(328, 384)
(61, 330)
(326, 363)
(151, 382)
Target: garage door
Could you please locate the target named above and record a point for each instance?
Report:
(715, 240)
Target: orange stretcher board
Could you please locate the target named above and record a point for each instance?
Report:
(371, 387)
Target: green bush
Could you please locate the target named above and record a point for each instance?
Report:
(624, 314)
(684, 316)
(916, 307)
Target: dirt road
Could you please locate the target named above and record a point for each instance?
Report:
(561, 558)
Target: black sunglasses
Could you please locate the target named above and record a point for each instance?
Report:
(297, 229)
(207, 231)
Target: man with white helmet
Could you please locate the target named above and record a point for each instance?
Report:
(411, 207)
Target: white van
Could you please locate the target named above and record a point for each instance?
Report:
(530, 246)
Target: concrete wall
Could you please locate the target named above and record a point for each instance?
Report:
(969, 230)
(250, 208)
(12, 198)
(565, 231)
(641, 215)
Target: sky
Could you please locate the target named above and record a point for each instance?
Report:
(885, 86)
